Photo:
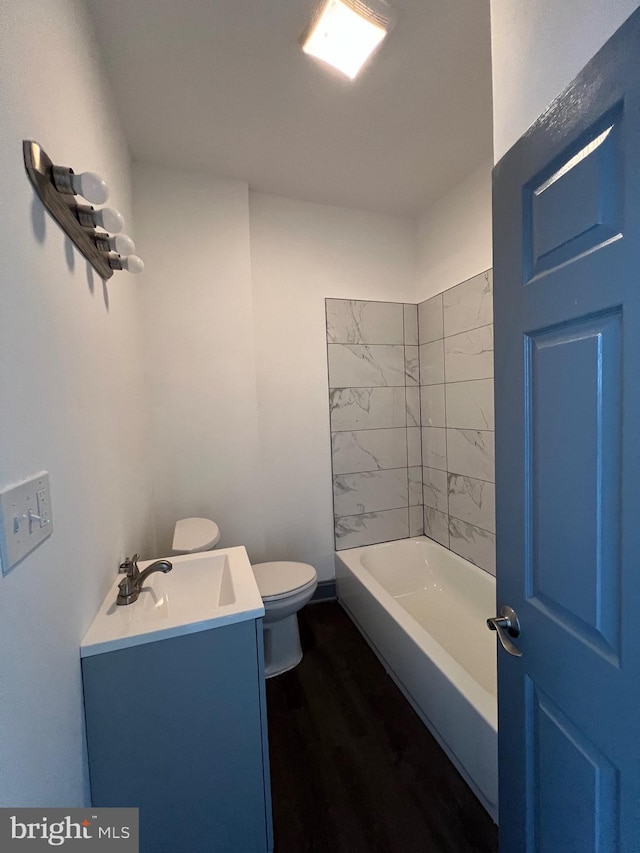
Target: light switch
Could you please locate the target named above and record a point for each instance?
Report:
(26, 518)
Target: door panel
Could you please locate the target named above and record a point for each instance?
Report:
(572, 560)
(570, 776)
(574, 205)
(567, 376)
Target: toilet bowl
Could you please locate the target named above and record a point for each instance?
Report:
(285, 588)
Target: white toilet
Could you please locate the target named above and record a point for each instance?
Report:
(191, 535)
(285, 588)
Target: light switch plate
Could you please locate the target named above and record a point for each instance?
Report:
(27, 520)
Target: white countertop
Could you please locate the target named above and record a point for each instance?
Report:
(202, 591)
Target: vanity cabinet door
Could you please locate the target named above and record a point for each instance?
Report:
(176, 728)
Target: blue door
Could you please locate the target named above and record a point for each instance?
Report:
(567, 374)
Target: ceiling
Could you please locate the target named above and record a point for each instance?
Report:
(222, 86)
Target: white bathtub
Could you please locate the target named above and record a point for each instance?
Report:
(423, 610)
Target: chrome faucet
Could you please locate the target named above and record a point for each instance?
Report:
(130, 586)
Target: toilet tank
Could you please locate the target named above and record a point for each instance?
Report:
(191, 535)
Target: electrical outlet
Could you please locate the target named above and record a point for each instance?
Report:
(42, 499)
(26, 518)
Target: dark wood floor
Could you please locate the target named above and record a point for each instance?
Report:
(352, 766)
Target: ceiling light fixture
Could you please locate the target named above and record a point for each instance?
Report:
(344, 33)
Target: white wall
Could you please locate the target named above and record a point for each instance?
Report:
(235, 352)
(72, 400)
(454, 235)
(302, 253)
(199, 354)
(538, 47)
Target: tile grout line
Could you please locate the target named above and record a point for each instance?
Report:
(360, 387)
(465, 331)
(421, 504)
(333, 497)
(471, 524)
(352, 344)
(446, 437)
(395, 468)
(375, 429)
(377, 512)
(456, 474)
(442, 337)
(406, 417)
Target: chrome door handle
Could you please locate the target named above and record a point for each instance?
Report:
(507, 625)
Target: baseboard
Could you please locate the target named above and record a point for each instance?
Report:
(325, 591)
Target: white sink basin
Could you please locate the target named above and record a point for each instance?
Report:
(202, 591)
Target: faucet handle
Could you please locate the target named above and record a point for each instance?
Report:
(130, 566)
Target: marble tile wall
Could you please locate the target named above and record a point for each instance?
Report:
(412, 430)
(457, 426)
(374, 402)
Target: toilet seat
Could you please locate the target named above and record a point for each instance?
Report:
(281, 578)
(192, 535)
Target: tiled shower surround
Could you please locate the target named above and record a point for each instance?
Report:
(456, 390)
(411, 405)
(374, 398)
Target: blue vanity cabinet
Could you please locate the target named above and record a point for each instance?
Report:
(177, 728)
